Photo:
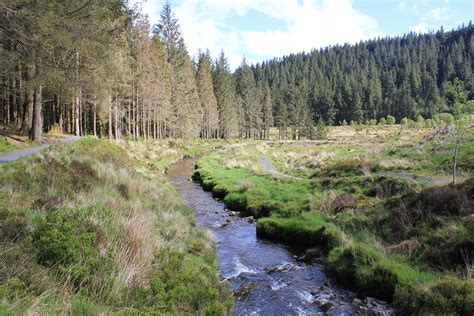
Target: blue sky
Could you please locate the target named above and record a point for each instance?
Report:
(263, 29)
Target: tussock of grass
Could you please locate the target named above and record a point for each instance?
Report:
(88, 234)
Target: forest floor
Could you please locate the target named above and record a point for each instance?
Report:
(374, 201)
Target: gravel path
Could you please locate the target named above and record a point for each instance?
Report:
(269, 167)
(417, 177)
(14, 155)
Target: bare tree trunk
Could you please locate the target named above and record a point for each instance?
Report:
(28, 120)
(94, 119)
(117, 136)
(36, 131)
(76, 116)
(110, 118)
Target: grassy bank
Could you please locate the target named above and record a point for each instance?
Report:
(83, 232)
(408, 241)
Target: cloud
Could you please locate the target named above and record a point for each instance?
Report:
(431, 18)
(312, 26)
(302, 26)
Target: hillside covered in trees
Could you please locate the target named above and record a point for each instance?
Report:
(94, 67)
(402, 76)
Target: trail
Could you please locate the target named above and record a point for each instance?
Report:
(269, 167)
(14, 155)
(417, 177)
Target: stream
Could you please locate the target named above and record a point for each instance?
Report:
(266, 277)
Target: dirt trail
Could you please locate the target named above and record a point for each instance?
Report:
(14, 155)
(269, 167)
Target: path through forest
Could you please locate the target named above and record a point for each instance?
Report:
(14, 155)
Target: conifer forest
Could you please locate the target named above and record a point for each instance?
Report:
(317, 158)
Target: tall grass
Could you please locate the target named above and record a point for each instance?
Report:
(88, 234)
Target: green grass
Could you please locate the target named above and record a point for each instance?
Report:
(6, 147)
(83, 232)
(377, 235)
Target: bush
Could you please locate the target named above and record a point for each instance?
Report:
(404, 121)
(447, 296)
(390, 120)
(420, 120)
(344, 123)
(67, 239)
(382, 121)
(352, 123)
(430, 123)
(443, 118)
(322, 130)
(372, 122)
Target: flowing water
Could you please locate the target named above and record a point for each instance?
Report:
(265, 276)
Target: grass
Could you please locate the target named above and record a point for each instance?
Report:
(387, 236)
(6, 146)
(83, 232)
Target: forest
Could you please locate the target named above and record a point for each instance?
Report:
(100, 68)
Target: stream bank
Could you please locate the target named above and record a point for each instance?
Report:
(266, 277)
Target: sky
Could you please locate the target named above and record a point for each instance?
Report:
(263, 29)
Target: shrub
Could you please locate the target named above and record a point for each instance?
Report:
(382, 121)
(420, 120)
(404, 121)
(372, 122)
(390, 120)
(322, 130)
(447, 296)
(68, 240)
(352, 123)
(430, 123)
(344, 123)
(443, 119)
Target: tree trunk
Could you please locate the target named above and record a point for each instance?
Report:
(94, 119)
(76, 116)
(36, 131)
(110, 118)
(28, 120)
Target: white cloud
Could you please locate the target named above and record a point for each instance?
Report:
(305, 25)
(312, 26)
(432, 18)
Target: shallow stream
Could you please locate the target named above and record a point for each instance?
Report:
(266, 277)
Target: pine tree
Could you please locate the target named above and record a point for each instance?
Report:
(246, 90)
(210, 114)
(224, 91)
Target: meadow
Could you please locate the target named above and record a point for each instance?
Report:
(375, 201)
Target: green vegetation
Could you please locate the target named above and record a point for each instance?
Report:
(403, 239)
(6, 146)
(84, 233)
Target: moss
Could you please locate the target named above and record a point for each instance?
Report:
(372, 272)
(305, 230)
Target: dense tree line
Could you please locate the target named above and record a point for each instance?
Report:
(402, 76)
(92, 67)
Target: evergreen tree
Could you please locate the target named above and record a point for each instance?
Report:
(224, 91)
(210, 114)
